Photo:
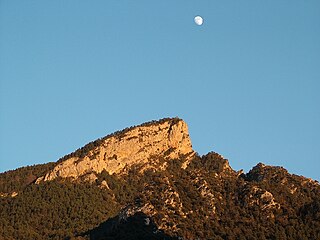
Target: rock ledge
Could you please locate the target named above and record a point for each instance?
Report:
(116, 153)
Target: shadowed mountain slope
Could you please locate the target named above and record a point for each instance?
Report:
(146, 182)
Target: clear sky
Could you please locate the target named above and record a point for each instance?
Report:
(246, 81)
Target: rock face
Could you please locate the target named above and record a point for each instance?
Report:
(168, 138)
(146, 182)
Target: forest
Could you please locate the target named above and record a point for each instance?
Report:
(207, 200)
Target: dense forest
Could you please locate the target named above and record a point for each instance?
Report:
(17, 180)
(207, 200)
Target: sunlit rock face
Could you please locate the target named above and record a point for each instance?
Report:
(143, 144)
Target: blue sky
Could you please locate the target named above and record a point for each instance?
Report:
(246, 81)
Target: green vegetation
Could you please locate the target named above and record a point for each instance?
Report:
(55, 210)
(206, 200)
(17, 180)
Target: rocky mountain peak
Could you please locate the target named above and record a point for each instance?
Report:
(116, 153)
(146, 182)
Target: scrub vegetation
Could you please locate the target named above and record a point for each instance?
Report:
(207, 200)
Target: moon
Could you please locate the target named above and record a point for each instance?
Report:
(198, 20)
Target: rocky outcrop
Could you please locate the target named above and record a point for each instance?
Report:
(168, 138)
(164, 189)
(131, 223)
(13, 194)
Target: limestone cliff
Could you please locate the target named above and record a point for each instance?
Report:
(168, 138)
(157, 188)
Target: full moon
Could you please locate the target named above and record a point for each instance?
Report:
(198, 20)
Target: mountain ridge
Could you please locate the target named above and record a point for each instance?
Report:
(165, 193)
(117, 152)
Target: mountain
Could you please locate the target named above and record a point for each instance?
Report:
(117, 153)
(146, 182)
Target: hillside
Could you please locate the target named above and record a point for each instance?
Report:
(146, 182)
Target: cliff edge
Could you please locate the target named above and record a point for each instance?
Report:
(116, 153)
